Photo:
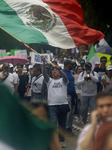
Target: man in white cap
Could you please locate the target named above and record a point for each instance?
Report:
(8, 79)
(107, 78)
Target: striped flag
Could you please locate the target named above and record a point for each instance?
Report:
(93, 57)
(59, 23)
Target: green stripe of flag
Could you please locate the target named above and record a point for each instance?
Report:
(18, 128)
(10, 21)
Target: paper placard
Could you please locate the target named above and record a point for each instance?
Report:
(2, 52)
(37, 59)
(22, 53)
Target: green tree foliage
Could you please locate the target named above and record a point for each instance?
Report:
(97, 13)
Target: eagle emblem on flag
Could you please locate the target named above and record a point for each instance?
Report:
(41, 18)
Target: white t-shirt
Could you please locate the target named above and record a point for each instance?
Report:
(36, 85)
(9, 81)
(16, 77)
(106, 79)
(60, 65)
(84, 133)
(57, 92)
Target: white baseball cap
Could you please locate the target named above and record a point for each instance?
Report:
(30, 66)
(11, 65)
(109, 67)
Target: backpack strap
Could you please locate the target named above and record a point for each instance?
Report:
(37, 78)
(93, 73)
(82, 73)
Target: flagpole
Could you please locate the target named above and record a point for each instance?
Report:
(27, 46)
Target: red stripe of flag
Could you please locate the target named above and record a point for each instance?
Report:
(71, 13)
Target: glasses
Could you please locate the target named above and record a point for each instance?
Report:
(55, 71)
(103, 61)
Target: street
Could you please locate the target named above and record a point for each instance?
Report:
(73, 139)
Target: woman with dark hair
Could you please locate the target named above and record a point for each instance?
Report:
(79, 69)
(103, 140)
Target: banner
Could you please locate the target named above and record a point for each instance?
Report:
(37, 59)
(77, 87)
(22, 53)
(2, 52)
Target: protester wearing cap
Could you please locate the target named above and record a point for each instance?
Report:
(88, 79)
(82, 63)
(106, 79)
(8, 79)
(101, 70)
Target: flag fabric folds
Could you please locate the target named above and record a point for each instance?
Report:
(51, 22)
(93, 57)
(18, 128)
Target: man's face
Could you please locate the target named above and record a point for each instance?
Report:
(6, 69)
(36, 72)
(88, 69)
(104, 107)
(61, 59)
(111, 61)
(55, 73)
(20, 69)
(103, 62)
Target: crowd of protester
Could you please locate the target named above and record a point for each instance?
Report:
(56, 84)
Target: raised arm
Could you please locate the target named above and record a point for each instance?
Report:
(44, 72)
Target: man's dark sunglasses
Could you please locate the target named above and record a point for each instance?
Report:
(103, 61)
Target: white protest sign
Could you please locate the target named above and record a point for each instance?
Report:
(2, 52)
(77, 87)
(35, 58)
(22, 53)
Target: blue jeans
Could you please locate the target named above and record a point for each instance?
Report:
(57, 117)
(70, 114)
(86, 102)
(37, 96)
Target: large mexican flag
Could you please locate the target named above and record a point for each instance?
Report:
(59, 23)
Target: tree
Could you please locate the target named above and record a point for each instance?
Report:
(97, 13)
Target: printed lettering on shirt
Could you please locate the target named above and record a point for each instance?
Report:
(57, 85)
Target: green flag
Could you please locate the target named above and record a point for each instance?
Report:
(13, 51)
(18, 128)
(93, 57)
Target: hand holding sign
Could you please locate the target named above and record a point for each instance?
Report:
(43, 58)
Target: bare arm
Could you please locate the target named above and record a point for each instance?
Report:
(28, 88)
(104, 83)
(16, 89)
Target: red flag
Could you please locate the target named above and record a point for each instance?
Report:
(71, 13)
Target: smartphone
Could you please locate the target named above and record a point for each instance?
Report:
(99, 119)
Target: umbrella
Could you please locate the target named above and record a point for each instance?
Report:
(105, 50)
(13, 60)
